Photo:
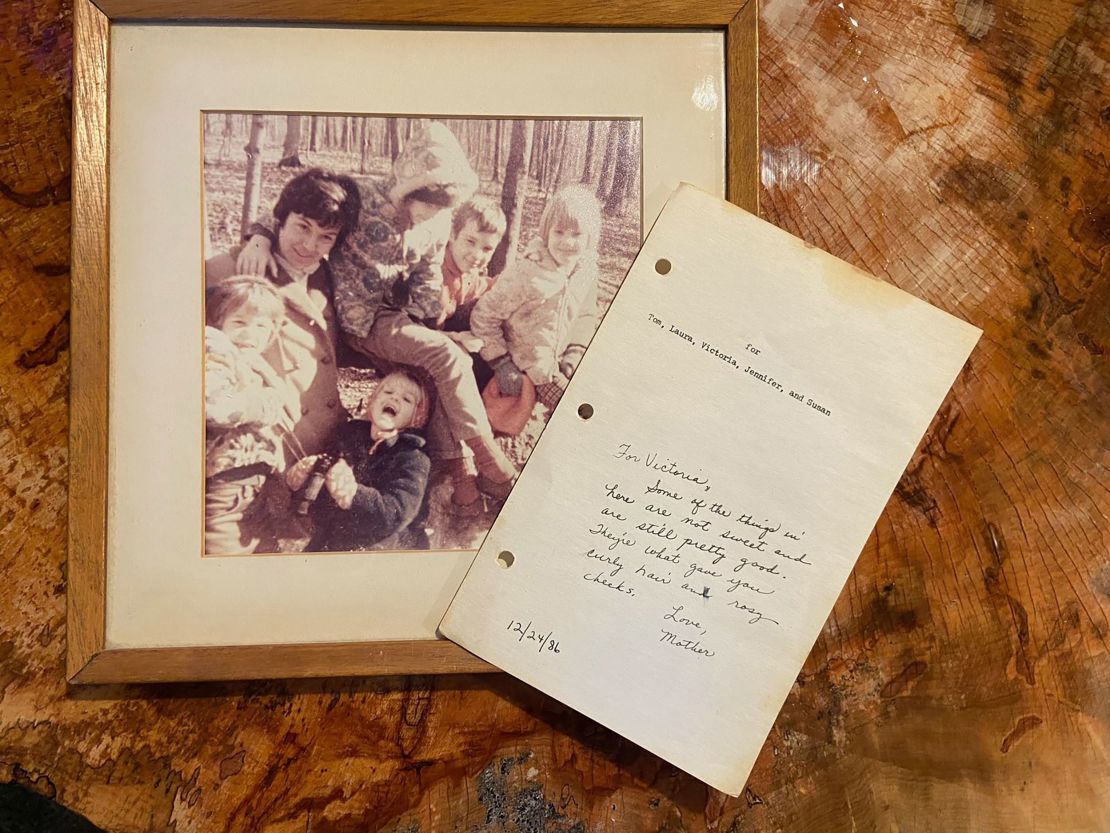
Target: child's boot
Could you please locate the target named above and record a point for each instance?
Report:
(466, 500)
(496, 472)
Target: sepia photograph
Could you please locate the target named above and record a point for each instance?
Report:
(393, 307)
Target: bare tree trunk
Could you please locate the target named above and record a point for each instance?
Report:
(534, 156)
(498, 124)
(253, 189)
(636, 166)
(560, 154)
(604, 174)
(313, 139)
(545, 158)
(290, 150)
(393, 138)
(478, 148)
(225, 139)
(364, 155)
(587, 174)
(512, 194)
(538, 147)
(622, 169)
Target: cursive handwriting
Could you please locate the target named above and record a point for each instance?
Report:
(721, 553)
(755, 617)
(677, 641)
(612, 560)
(603, 580)
(758, 546)
(675, 616)
(764, 528)
(662, 464)
(616, 539)
(613, 492)
(740, 584)
(648, 574)
(658, 530)
(695, 569)
(658, 489)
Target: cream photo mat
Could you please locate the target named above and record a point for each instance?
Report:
(160, 592)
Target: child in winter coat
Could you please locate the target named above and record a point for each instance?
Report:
(247, 409)
(373, 495)
(536, 320)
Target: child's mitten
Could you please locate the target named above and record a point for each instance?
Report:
(509, 377)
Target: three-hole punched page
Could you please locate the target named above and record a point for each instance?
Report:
(681, 532)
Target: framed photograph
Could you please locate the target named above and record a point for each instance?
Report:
(323, 305)
(543, 201)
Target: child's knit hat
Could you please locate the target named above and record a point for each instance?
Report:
(433, 158)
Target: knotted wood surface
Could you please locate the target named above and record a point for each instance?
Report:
(956, 148)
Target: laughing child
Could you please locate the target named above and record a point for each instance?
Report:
(373, 496)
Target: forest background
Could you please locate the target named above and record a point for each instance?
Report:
(248, 158)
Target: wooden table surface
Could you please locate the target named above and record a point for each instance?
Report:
(956, 148)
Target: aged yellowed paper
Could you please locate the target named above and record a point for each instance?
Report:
(684, 526)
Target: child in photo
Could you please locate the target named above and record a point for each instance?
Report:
(536, 320)
(373, 492)
(477, 227)
(248, 409)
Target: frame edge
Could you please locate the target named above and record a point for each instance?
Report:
(88, 415)
(742, 75)
(617, 13)
(267, 662)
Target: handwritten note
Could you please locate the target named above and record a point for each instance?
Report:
(682, 541)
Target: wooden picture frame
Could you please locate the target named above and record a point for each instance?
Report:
(89, 659)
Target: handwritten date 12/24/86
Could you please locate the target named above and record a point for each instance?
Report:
(526, 631)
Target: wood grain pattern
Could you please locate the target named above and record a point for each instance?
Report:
(742, 52)
(646, 13)
(956, 148)
(88, 356)
(258, 662)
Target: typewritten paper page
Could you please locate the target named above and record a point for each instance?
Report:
(675, 554)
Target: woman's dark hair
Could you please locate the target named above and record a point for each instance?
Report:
(331, 199)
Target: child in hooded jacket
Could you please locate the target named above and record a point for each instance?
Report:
(538, 317)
